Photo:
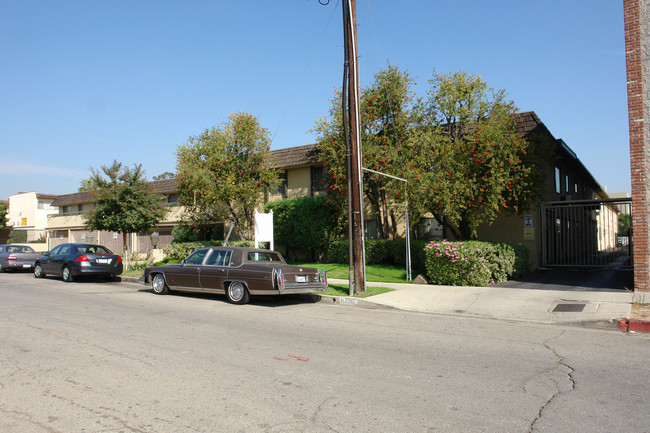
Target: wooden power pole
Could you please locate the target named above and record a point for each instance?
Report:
(355, 174)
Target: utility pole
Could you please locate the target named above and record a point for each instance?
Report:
(353, 131)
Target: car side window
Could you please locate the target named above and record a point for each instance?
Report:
(196, 258)
(55, 250)
(64, 250)
(218, 258)
(263, 257)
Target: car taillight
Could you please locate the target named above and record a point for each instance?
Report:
(279, 279)
(11, 258)
(119, 259)
(82, 258)
(323, 277)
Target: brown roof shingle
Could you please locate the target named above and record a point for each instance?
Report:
(167, 186)
(295, 156)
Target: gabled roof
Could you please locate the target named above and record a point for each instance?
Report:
(167, 186)
(295, 156)
(529, 124)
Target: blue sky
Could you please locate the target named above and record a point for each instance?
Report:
(86, 82)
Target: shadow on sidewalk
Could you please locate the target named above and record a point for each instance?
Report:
(575, 280)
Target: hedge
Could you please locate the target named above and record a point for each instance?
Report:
(381, 252)
(474, 263)
(174, 253)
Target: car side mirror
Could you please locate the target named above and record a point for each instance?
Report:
(183, 262)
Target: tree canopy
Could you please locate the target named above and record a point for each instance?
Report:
(388, 116)
(224, 171)
(124, 202)
(481, 167)
(3, 215)
(459, 149)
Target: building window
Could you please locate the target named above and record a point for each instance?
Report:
(370, 229)
(318, 179)
(172, 199)
(558, 185)
(64, 210)
(429, 229)
(80, 208)
(566, 183)
(281, 187)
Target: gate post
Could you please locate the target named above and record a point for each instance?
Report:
(637, 44)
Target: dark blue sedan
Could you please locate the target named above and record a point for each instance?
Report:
(73, 260)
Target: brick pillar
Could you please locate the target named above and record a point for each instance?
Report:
(637, 42)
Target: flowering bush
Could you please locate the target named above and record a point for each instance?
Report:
(455, 264)
(474, 263)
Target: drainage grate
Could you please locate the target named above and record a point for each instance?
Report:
(569, 308)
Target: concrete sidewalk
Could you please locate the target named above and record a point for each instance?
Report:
(596, 308)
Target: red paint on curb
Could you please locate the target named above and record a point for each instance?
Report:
(628, 325)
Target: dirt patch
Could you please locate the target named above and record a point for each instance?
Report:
(640, 312)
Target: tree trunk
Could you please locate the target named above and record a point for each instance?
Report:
(127, 260)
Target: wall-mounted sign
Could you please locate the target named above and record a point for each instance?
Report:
(528, 220)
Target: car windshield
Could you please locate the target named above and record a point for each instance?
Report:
(263, 257)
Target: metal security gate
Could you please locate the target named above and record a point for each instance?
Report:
(587, 233)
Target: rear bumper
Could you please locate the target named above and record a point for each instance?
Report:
(18, 266)
(92, 270)
(293, 289)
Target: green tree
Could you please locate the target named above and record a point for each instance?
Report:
(164, 176)
(301, 223)
(480, 166)
(124, 202)
(624, 224)
(88, 184)
(4, 216)
(223, 173)
(388, 116)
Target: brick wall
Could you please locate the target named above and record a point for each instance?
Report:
(637, 42)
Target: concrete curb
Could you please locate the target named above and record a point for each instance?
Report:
(633, 325)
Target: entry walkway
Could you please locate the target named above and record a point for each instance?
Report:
(584, 306)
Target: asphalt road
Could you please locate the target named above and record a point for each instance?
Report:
(114, 357)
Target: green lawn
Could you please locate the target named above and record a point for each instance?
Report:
(374, 273)
(344, 290)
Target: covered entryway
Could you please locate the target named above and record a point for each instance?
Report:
(587, 233)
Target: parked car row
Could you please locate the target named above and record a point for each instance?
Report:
(67, 261)
(237, 272)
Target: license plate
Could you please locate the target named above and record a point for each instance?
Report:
(301, 278)
(105, 261)
(27, 266)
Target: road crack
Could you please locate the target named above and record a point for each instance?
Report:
(559, 379)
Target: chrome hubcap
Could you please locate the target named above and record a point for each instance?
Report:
(236, 292)
(158, 284)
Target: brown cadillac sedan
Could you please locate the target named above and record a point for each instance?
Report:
(236, 272)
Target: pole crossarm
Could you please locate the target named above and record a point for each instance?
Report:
(384, 174)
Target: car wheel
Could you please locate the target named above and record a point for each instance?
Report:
(38, 271)
(159, 285)
(66, 274)
(237, 293)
